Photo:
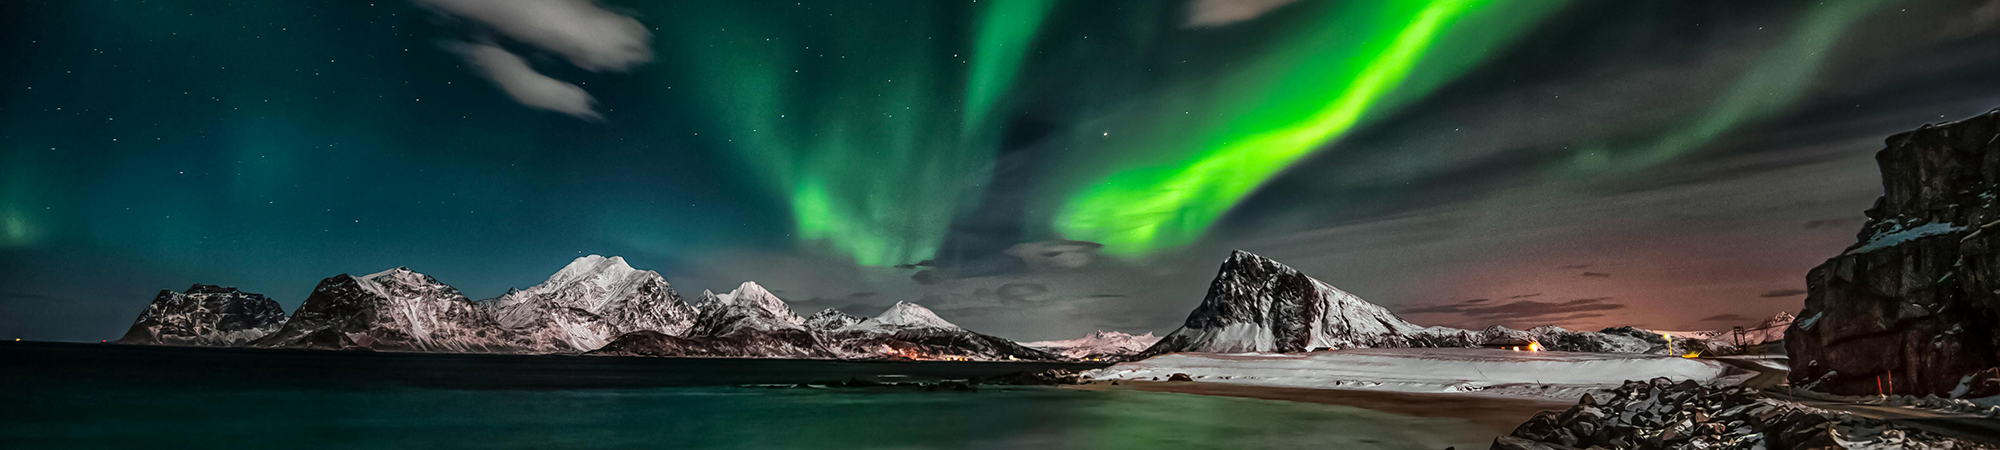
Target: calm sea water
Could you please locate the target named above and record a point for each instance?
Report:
(100, 396)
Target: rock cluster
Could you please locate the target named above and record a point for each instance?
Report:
(1660, 414)
(1914, 305)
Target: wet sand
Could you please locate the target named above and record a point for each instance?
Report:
(1495, 415)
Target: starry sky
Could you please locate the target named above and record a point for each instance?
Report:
(1035, 169)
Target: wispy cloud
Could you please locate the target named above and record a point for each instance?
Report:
(1215, 13)
(1781, 293)
(1521, 309)
(582, 32)
(527, 86)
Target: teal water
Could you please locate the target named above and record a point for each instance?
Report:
(159, 405)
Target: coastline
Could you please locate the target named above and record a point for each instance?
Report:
(1494, 414)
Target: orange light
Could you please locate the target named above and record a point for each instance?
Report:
(1534, 346)
(1693, 354)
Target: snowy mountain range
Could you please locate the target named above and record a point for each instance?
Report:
(1098, 346)
(595, 305)
(1770, 330)
(907, 330)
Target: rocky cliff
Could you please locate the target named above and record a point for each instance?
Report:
(1913, 303)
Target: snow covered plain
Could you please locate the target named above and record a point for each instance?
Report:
(1551, 375)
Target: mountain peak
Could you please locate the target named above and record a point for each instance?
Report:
(1256, 304)
(907, 315)
(754, 296)
(608, 271)
(749, 293)
(831, 319)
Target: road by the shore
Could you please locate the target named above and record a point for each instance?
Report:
(1967, 426)
(1486, 414)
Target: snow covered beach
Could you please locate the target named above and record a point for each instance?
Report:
(1540, 375)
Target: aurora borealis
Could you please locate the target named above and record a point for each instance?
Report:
(1296, 102)
(1039, 168)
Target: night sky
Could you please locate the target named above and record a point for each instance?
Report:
(1035, 169)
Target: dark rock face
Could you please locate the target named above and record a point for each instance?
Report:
(1916, 302)
(206, 315)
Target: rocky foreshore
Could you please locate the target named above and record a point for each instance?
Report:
(1661, 414)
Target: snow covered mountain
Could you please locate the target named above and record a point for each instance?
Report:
(901, 316)
(1100, 345)
(1256, 304)
(396, 310)
(831, 319)
(589, 302)
(746, 322)
(206, 315)
(909, 331)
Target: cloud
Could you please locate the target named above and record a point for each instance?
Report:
(1981, 19)
(1781, 293)
(1056, 255)
(513, 76)
(1725, 318)
(1020, 291)
(1596, 274)
(1520, 309)
(1215, 13)
(581, 32)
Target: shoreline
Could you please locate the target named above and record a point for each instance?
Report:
(1498, 415)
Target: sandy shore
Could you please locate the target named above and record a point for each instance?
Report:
(1495, 415)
